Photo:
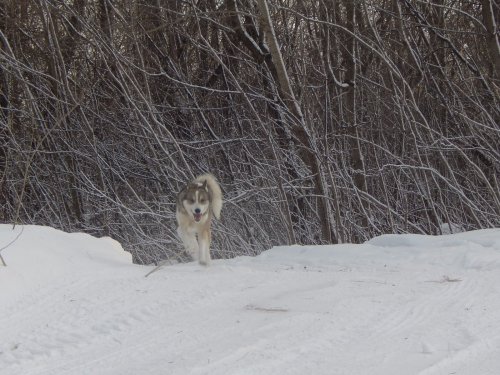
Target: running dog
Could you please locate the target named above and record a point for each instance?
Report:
(196, 204)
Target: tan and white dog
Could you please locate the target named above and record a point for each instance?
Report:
(196, 204)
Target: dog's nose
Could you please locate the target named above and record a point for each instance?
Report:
(197, 211)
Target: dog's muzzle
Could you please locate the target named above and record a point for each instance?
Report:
(197, 215)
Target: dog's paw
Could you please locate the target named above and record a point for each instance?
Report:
(204, 263)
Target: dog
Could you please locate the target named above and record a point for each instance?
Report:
(196, 204)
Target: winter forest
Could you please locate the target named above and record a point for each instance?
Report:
(325, 121)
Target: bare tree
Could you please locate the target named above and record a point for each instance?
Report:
(324, 121)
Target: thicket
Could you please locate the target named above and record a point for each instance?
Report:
(324, 121)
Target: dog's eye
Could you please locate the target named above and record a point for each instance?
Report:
(191, 201)
(202, 201)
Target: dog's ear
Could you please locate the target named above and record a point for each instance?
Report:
(205, 186)
(180, 196)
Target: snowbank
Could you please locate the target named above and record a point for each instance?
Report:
(398, 304)
(37, 255)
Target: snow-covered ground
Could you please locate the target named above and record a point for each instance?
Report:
(396, 305)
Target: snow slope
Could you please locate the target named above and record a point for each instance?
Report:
(398, 304)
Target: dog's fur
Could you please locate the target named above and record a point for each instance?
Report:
(196, 204)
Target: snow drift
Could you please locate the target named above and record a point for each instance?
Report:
(398, 304)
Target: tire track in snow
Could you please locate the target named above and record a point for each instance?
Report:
(67, 331)
(480, 357)
(421, 323)
(422, 302)
(63, 321)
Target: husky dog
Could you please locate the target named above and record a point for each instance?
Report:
(196, 204)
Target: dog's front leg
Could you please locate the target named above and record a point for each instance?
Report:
(190, 244)
(204, 239)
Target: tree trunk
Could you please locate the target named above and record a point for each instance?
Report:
(299, 127)
(357, 161)
(492, 40)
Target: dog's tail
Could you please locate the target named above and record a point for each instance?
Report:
(214, 188)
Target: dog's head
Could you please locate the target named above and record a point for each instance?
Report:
(196, 200)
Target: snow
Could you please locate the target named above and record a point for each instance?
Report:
(398, 304)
